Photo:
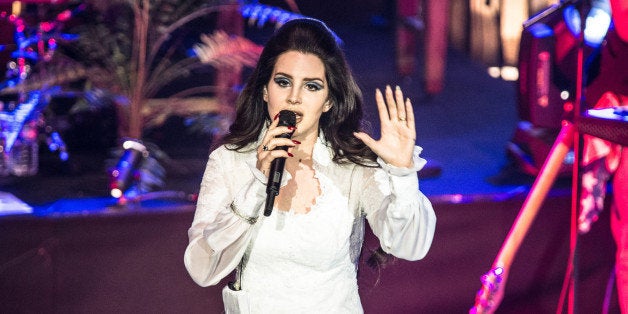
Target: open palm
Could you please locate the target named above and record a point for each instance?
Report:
(398, 133)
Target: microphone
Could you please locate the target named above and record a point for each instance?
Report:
(286, 118)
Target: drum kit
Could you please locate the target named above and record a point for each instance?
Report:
(20, 106)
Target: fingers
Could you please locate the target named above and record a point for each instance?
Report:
(273, 142)
(392, 106)
(271, 139)
(398, 133)
(409, 112)
(367, 139)
(401, 108)
(267, 151)
(265, 159)
(381, 106)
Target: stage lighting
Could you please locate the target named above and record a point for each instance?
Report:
(126, 171)
(596, 23)
(548, 64)
(548, 70)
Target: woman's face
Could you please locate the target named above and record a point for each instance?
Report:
(298, 84)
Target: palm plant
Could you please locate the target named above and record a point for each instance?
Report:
(138, 66)
(158, 56)
(151, 72)
(142, 70)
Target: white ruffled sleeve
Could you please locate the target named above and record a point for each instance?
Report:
(229, 201)
(399, 214)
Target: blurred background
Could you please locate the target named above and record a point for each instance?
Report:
(108, 110)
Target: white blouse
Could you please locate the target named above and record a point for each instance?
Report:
(304, 262)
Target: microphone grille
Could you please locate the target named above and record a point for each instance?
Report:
(287, 118)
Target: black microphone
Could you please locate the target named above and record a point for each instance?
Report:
(286, 118)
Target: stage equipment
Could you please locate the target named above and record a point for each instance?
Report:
(126, 172)
(21, 107)
(610, 124)
(260, 15)
(138, 176)
(493, 282)
(546, 87)
(19, 148)
(11, 205)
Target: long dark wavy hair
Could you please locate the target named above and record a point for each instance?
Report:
(311, 36)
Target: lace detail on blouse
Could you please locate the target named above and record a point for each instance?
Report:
(300, 263)
(290, 246)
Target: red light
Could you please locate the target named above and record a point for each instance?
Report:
(568, 106)
(46, 26)
(64, 16)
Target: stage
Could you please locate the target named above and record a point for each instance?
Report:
(88, 255)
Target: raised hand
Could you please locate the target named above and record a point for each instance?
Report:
(398, 132)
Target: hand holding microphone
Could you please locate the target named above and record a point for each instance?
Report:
(286, 118)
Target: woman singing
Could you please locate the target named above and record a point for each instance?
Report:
(303, 257)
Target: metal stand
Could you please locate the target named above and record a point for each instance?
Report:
(493, 282)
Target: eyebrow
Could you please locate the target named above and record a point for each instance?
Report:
(308, 79)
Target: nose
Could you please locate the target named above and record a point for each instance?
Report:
(294, 97)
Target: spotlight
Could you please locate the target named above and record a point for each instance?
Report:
(548, 70)
(548, 64)
(597, 22)
(126, 172)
